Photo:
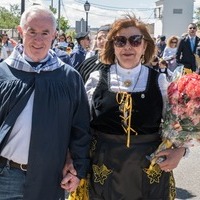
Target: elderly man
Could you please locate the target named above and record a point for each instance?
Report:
(42, 119)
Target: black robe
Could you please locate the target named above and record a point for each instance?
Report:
(60, 121)
(88, 66)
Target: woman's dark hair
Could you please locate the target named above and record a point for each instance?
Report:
(62, 35)
(5, 34)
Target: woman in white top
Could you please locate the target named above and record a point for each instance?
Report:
(169, 53)
(62, 44)
(7, 47)
(127, 100)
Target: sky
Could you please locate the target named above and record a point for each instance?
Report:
(101, 11)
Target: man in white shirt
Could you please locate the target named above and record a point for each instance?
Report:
(42, 119)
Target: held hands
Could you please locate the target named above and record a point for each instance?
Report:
(172, 158)
(70, 180)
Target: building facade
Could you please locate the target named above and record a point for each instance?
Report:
(172, 17)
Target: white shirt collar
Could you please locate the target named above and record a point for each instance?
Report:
(131, 71)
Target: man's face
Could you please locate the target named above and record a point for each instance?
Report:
(85, 42)
(37, 35)
(101, 39)
(192, 30)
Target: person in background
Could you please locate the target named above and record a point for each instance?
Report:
(169, 53)
(187, 47)
(70, 42)
(7, 45)
(164, 68)
(154, 62)
(44, 124)
(0, 48)
(127, 100)
(93, 47)
(63, 55)
(62, 44)
(56, 40)
(161, 44)
(93, 63)
(78, 54)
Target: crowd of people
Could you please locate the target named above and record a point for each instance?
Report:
(70, 111)
(173, 51)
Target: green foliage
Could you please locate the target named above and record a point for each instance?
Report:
(9, 18)
(197, 16)
(64, 24)
(53, 10)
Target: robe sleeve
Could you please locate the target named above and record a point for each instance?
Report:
(80, 133)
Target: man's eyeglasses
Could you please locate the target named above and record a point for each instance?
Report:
(134, 40)
(192, 28)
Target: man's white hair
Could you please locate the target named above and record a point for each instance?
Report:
(37, 9)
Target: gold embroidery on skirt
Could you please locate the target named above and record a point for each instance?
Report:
(93, 147)
(172, 187)
(100, 173)
(154, 169)
(154, 174)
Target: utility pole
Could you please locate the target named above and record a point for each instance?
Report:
(52, 3)
(22, 6)
(59, 15)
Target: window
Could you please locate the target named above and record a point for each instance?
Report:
(177, 11)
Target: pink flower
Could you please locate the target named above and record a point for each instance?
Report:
(182, 123)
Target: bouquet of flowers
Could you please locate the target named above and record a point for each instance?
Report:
(181, 127)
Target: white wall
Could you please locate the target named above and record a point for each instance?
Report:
(174, 24)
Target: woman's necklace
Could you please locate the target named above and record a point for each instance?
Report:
(128, 82)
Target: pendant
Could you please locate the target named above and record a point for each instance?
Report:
(127, 83)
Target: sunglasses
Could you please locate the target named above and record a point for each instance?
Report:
(134, 40)
(192, 28)
(173, 42)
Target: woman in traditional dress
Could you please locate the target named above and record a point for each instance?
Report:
(127, 100)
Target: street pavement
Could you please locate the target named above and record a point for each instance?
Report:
(187, 176)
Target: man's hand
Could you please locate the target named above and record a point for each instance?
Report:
(70, 180)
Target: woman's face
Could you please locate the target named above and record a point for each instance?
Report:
(173, 43)
(101, 39)
(129, 52)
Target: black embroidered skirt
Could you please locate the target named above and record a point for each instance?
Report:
(117, 172)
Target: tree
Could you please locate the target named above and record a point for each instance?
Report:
(53, 10)
(9, 19)
(197, 16)
(64, 24)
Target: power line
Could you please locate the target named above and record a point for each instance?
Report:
(113, 7)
